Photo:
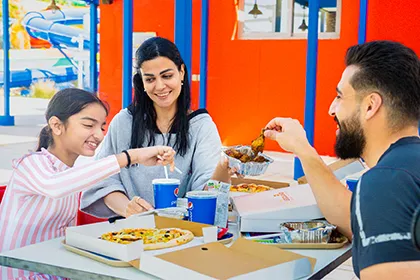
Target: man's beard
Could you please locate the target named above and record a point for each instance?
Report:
(351, 140)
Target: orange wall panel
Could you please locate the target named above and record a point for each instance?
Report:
(148, 15)
(394, 20)
(252, 81)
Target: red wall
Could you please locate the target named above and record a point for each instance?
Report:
(252, 81)
(395, 20)
(152, 15)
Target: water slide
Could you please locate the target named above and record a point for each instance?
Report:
(24, 78)
(60, 28)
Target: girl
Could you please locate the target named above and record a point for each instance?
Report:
(41, 198)
(160, 114)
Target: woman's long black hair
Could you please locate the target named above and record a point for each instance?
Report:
(144, 115)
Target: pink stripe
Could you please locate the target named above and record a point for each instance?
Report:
(45, 172)
(62, 218)
(10, 273)
(72, 183)
(46, 232)
(72, 212)
(89, 174)
(58, 210)
(46, 163)
(19, 221)
(44, 216)
(49, 216)
(34, 217)
(56, 225)
(70, 215)
(33, 186)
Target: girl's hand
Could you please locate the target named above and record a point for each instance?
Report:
(156, 155)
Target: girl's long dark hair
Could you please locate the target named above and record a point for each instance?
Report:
(63, 105)
(144, 115)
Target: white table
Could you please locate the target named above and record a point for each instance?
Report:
(52, 258)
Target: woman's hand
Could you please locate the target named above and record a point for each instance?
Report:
(223, 172)
(137, 205)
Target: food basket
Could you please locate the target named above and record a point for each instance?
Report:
(246, 163)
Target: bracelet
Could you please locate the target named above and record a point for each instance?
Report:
(128, 158)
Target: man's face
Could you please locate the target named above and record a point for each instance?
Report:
(345, 109)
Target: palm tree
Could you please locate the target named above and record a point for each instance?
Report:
(53, 6)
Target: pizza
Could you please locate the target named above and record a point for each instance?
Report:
(249, 188)
(153, 239)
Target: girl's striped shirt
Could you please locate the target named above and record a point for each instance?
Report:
(41, 200)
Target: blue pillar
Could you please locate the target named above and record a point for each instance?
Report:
(127, 52)
(6, 119)
(204, 52)
(311, 70)
(183, 30)
(93, 46)
(362, 21)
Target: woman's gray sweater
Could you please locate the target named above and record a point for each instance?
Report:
(197, 165)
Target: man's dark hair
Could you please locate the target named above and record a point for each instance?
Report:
(392, 70)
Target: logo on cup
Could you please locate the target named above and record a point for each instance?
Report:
(176, 191)
(190, 205)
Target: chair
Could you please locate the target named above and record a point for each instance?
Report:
(2, 191)
(83, 218)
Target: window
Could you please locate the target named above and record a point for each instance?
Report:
(286, 19)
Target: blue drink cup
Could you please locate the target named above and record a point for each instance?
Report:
(351, 183)
(202, 206)
(165, 192)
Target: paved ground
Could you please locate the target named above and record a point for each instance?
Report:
(19, 139)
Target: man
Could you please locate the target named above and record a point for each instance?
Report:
(377, 110)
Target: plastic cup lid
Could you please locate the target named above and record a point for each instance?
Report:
(201, 194)
(164, 181)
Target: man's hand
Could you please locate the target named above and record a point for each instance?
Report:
(332, 198)
(289, 134)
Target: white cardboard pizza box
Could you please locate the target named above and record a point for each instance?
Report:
(265, 211)
(243, 260)
(86, 237)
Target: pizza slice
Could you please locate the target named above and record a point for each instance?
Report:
(249, 188)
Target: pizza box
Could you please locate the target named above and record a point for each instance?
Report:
(245, 259)
(268, 183)
(86, 237)
(265, 211)
(341, 169)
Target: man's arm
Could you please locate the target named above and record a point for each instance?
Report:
(392, 270)
(332, 198)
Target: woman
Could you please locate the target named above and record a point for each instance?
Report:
(159, 115)
(41, 199)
